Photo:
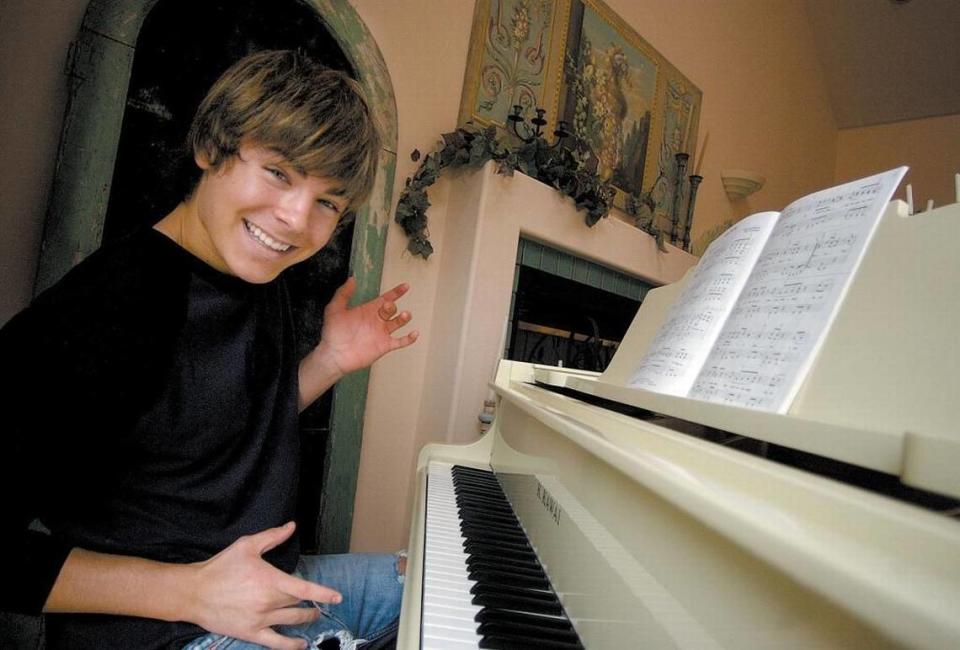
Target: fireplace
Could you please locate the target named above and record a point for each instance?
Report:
(489, 219)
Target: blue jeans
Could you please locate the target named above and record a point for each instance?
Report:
(371, 588)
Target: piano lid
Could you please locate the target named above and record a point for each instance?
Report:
(881, 392)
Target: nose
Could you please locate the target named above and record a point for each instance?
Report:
(294, 209)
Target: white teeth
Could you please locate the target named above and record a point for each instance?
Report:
(266, 239)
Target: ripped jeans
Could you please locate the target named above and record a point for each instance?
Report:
(371, 588)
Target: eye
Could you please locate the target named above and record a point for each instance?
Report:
(277, 173)
(329, 205)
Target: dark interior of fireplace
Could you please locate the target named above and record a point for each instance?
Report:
(568, 311)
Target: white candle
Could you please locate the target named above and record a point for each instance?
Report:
(686, 136)
(703, 152)
(909, 198)
(929, 205)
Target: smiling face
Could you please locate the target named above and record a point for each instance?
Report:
(256, 215)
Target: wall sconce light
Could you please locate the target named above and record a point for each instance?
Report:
(740, 183)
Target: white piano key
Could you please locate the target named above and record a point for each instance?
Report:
(447, 610)
(447, 613)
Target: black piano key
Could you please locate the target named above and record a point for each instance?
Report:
(491, 489)
(503, 545)
(491, 485)
(471, 471)
(480, 532)
(520, 609)
(507, 578)
(472, 546)
(483, 533)
(535, 571)
(510, 642)
(498, 507)
(490, 614)
(484, 504)
(470, 517)
(491, 492)
(519, 603)
(473, 512)
(463, 470)
(536, 632)
(544, 595)
(480, 502)
(484, 507)
(505, 562)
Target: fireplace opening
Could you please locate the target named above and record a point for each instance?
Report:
(568, 310)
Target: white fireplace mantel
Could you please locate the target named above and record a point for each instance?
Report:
(486, 214)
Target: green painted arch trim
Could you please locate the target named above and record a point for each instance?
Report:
(100, 63)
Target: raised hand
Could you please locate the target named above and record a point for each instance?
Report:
(358, 336)
(352, 338)
(240, 595)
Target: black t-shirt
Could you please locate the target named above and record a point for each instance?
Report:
(153, 413)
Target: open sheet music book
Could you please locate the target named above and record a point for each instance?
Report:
(754, 312)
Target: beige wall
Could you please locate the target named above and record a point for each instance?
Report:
(764, 105)
(931, 147)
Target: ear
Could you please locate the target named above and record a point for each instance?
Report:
(202, 159)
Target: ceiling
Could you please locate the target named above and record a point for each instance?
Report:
(888, 60)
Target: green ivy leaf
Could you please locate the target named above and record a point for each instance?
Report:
(570, 170)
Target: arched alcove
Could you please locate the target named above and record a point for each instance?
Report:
(101, 61)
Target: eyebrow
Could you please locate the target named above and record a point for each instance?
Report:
(339, 191)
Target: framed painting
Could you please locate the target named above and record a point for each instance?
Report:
(579, 60)
(677, 126)
(515, 58)
(629, 104)
(611, 93)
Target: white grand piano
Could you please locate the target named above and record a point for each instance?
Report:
(672, 523)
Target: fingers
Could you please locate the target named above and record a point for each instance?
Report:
(342, 296)
(404, 341)
(272, 537)
(295, 615)
(269, 638)
(387, 310)
(394, 294)
(306, 590)
(394, 321)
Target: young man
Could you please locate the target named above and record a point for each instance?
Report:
(151, 456)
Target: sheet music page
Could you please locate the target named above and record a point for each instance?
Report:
(693, 323)
(779, 322)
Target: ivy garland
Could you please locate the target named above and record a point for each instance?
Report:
(571, 171)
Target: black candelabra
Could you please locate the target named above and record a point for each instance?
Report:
(695, 180)
(680, 230)
(675, 227)
(516, 120)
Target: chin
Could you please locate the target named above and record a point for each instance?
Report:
(254, 275)
(259, 278)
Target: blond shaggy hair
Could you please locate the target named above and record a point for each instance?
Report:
(315, 117)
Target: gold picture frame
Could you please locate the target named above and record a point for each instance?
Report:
(515, 57)
(677, 127)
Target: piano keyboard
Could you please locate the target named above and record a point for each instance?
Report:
(483, 586)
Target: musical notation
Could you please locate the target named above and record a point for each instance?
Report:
(695, 320)
(751, 317)
(791, 297)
